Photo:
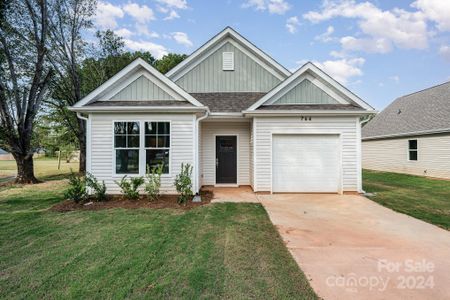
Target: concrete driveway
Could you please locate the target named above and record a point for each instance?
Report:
(352, 248)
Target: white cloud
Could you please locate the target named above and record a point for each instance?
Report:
(107, 14)
(395, 78)
(279, 7)
(437, 11)
(380, 45)
(181, 38)
(142, 29)
(342, 69)
(142, 14)
(326, 36)
(156, 50)
(292, 23)
(172, 15)
(123, 32)
(178, 4)
(402, 28)
(444, 51)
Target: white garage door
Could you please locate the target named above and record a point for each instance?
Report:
(305, 163)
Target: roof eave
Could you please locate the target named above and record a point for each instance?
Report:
(406, 134)
(307, 112)
(137, 109)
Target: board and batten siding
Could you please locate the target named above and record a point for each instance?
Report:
(102, 148)
(142, 89)
(208, 76)
(306, 92)
(209, 130)
(265, 127)
(391, 155)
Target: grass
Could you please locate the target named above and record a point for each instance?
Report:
(420, 197)
(215, 251)
(44, 168)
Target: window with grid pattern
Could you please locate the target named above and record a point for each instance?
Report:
(157, 145)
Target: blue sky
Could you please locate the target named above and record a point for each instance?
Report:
(379, 49)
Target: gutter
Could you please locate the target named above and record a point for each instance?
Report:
(308, 112)
(406, 134)
(137, 109)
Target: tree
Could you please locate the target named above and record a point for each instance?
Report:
(24, 78)
(168, 61)
(70, 19)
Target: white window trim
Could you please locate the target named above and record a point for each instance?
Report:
(121, 175)
(150, 148)
(408, 150)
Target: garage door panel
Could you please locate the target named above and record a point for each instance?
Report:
(305, 163)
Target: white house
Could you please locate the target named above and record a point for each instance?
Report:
(233, 113)
(411, 135)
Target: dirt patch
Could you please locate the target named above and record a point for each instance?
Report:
(116, 201)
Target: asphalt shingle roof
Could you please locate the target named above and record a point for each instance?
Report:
(310, 107)
(228, 102)
(423, 111)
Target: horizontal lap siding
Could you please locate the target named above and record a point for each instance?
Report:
(208, 155)
(265, 126)
(102, 153)
(392, 155)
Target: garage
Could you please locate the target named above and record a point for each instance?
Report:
(306, 163)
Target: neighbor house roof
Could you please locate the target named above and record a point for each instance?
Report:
(423, 112)
(228, 102)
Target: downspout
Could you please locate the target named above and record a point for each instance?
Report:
(361, 123)
(88, 140)
(79, 116)
(197, 148)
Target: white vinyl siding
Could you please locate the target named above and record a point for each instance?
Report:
(345, 127)
(208, 156)
(102, 148)
(391, 155)
(209, 76)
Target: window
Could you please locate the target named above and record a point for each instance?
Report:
(412, 149)
(228, 61)
(126, 145)
(157, 145)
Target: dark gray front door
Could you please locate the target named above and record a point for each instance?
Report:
(226, 159)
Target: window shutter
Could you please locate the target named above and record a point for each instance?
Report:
(228, 61)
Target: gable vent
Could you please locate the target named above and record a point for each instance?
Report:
(228, 61)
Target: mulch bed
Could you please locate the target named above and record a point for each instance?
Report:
(117, 201)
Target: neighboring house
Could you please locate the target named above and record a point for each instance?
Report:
(412, 135)
(4, 155)
(233, 113)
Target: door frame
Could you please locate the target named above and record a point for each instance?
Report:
(237, 160)
(310, 132)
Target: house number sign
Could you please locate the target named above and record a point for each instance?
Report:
(304, 118)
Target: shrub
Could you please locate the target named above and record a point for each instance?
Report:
(183, 183)
(77, 188)
(154, 181)
(98, 187)
(130, 187)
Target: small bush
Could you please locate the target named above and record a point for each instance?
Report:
(130, 187)
(154, 181)
(98, 187)
(183, 183)
(77, 188)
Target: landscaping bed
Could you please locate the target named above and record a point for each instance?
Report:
(118, 201)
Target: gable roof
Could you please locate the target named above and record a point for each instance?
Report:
(127, 72)
(310, 67)
(423, 112)
(228, 102)
(202, 52)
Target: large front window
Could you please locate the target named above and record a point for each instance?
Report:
(157, 145)
(126, 145)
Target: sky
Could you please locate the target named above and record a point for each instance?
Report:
(379, 49)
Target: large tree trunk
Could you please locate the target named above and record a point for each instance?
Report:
(82, 143)
(25, 168)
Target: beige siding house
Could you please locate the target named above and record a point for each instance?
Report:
(234, 114)
(412, 135)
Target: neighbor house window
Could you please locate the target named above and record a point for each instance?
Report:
(126, 145)
(157, 145)
(412, 149)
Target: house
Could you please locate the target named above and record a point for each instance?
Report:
(412, 135)
(233, 113)
(4, 155)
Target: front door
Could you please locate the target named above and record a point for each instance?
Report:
(226, 159)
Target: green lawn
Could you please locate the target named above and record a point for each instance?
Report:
(423, 198)
(44, 168)
(215, 251)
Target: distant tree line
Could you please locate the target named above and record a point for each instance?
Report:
(47, 65)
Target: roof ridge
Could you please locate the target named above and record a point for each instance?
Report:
(423, 90)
